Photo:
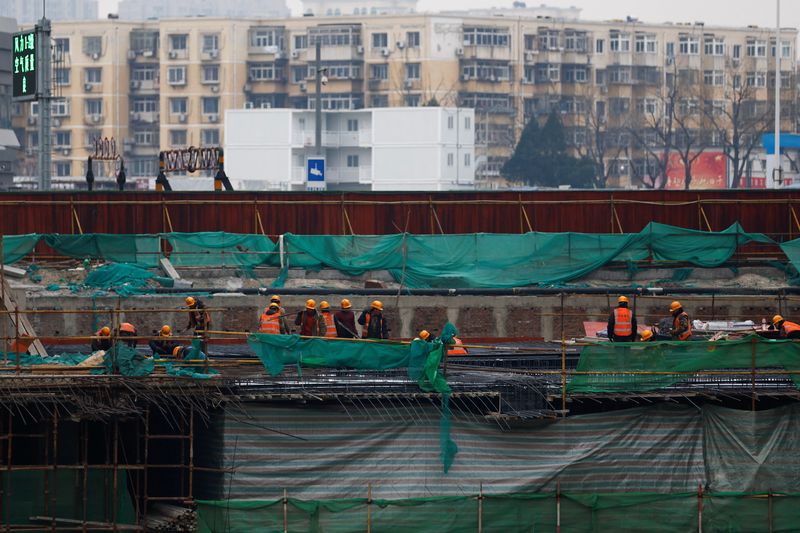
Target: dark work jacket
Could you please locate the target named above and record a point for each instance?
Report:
(377, 329)
(345, 321)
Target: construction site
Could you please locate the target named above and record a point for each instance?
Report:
(543, 425)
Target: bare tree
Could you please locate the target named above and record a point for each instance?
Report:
(653, 131)
(740, 122)
(690, 139)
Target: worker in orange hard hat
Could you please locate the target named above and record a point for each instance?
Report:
(199, 318)
(327, 316)
(646, 336)
(164, 344)
(310, 321)
(126, 329)
(272, 321)
(345, 321)
(788, 330)
(373, 322)
(102, 340)
(621, 322)
(424, 335)
(681, 324)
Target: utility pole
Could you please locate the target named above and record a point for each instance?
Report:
(45, 83)
(779, 181)
(318, 99)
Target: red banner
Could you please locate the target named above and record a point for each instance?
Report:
(708, 171)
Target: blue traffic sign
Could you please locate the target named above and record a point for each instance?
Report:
(315, 167)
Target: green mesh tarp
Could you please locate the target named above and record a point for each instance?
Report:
(139, 249)
(216, 249)
(655, 362)
(512, 513)
(124, 279)
(126, 361)
(15, 247)
(60, 494)
(792, 251)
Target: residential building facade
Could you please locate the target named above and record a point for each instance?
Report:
(167, 83)
(9, 144)
(388, 149)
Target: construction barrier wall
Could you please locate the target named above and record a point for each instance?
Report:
(770, 212)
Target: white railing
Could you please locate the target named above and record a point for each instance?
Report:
(332, 138)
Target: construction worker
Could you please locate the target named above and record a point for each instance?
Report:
(164, 344)
(103, 342)
(330, 327)
(424, 335)
(276, 299)
(788, 330)
(374, 322)
(126, 329)
(681, 325)
(345, 321)
(310, 321)
(646, 336)
(272, 321)
(199, 319)
(457, 348)
(621, 322)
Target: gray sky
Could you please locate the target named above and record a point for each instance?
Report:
(712, 12)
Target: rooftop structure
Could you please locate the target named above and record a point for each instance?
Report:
(336, 8)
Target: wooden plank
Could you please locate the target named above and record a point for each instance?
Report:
(25, 327)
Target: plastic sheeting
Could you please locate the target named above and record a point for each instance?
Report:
(217, 249)
(124, 279)
(15, 247)
(654, 359)
(139, 249)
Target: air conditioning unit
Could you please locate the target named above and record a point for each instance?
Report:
(147, 53)
(87, 87)
(95, 56)
(56, 123)
(295, 54)
(401, 45)
(135, 115)
(32, 120)
(459, 52)
(215, 88)
(669, 60)
(213, 118)
(248, 105)
(97, 118)
(359, 49)
(465, 77)
(173, 54)
(409, 84)
(303, 86)
(385, 52)
(65, 151)
(212, 54)
(604, 89)
(530, 56)
(247, 87)
(182, 118)
(135, 84)
(131, 54)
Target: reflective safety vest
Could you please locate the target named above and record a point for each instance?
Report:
(270, 324)
(457, 349)
(789, 327)
(330, 327)
(622, 322)
(676, 324)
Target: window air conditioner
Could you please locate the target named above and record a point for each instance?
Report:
(182, 118)
(173, 54)
(87, 87)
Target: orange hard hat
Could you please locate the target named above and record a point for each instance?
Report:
(166, 330)
(776, 319)
(646, 335)
(424, 335)
(622, 299)
(674, 306)
(376, 304)
(274, 305)
(190, 301)
(176, 351)
(105, 331)
(311, 304)
(346, 303)
(275, 298)
(323, 305)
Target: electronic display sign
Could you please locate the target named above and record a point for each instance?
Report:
(24, 66)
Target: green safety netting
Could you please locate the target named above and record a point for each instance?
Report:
(219, 249)
(792, 251)
(15, 247)
(60, 493)
(420, 358)
(657, 360)
(139, 249)
(124, 279)
(511, 513)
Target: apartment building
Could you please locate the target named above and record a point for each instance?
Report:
(167, 83)
(30, 11)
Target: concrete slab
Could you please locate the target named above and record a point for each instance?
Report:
(13, 272)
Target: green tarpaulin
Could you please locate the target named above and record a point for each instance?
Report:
(216, 249)
(657, 360)
(15, 247)
(139, 249)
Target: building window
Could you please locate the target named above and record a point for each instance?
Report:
(379, 71)
(178, 42)
(412, 71)
(177, 137)
(267, 38)
(450, 122)
(144, 73)
(575, 41)
(714, 46)
(176, 75)
(380, 40)
(757, 79)
(756, 48)
(62, 139)
(145, 137)
(93, 75)
(210, 43)
(300, 42)
(786, 49)
(93, 45)
(619, 41)
(645, 43)
(467, 123)
(737, 51)
(450, 159)
(467, 160)
(210, 105)
(714, 77)
(352, 124)
(94, 106)
(209, 137)
(299, 74)
(63, 168)
(90, 136)
(689, 45)
(486, 36)
(412, 100)
(144, 167)
(61, 76)
(265, 72)
(670, 50)
(146, 104)
(60, 48)
(412, 39)
(177, 106)
(379, 100)
(352, 161)
(211, 74)
(599, 46)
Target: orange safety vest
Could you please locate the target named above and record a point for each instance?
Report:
(330, 327)
(789, 327)
(676, 322)
(623, 327)
(457, 349)
(365, 330)
(270, 324)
